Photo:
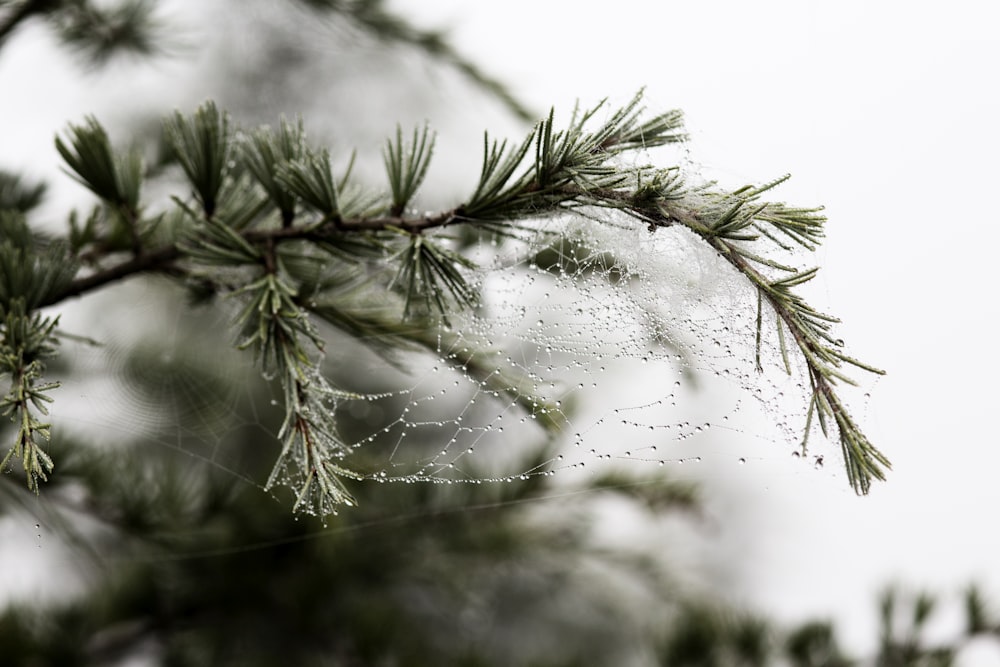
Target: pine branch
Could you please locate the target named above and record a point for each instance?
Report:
(373, 17)
(726, 233)
(21, 12)
(160, 260)
(273, 228)
(17, 195)
(823, 359)
(26, 341)
(96, 31)
(99, 32)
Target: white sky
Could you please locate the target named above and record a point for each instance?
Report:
(886, 113)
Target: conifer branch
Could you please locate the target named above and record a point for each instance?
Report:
(727, 233)
(21, 12)
(17, 195)
(97, 31)
(26, 341)
(276, 230)
(386, 26)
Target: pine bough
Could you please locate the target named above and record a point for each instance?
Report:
(269, 223)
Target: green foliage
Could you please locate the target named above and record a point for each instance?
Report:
(266, 153)
(269, 224)
(203, 148)
(902, 627)
(195, 561)
(99, 32)
(32, 269)
(17, 195)
(740, 227)
(814, 644)
(979, 618)
(275, 230)
(406, 166)
(430, 272)
(373, 17)
(212, 571)
(95, 30)
(26, 341)
(115, 178)
(572, 167)
(311, 179)
(705, 637)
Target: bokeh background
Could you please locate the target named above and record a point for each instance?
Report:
(885, 113)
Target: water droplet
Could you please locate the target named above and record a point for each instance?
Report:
(742, 460)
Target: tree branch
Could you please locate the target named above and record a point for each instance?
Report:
(21, 13)
(575, 169)
(158, 260)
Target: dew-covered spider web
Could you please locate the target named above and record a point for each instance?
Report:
(597, 344)
(616, 344)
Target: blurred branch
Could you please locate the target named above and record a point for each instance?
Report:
(18, 12)
(373, 17)
(97, 31)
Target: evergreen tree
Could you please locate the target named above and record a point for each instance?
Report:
(266, 221)
(192, 565)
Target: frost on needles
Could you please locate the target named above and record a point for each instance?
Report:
(282, 230)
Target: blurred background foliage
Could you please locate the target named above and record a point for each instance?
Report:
(181, 557)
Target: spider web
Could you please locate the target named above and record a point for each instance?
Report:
(638, 346)
(597, 344)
